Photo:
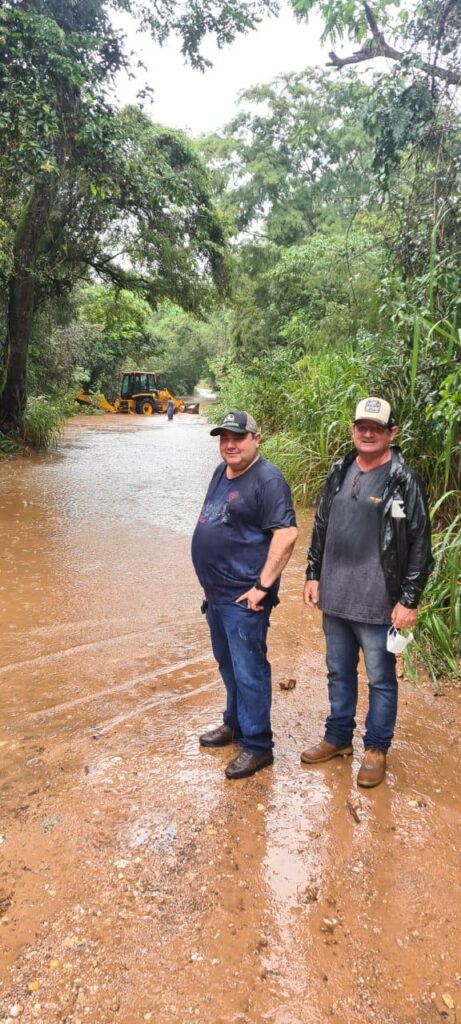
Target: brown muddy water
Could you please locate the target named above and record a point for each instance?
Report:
(137, 883)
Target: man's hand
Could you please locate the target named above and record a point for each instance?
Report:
(280, 548)
(403, 618)
(311, 593)
(252, 598)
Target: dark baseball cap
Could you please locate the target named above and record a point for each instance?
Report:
(237, 423)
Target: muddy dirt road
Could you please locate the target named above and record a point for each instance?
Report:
(137, 883)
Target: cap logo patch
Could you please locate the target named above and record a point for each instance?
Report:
(372, 405)
(230, 418)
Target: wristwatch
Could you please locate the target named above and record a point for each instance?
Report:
(260, 586)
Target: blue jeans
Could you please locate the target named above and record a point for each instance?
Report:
(344, 640)
(238, 639)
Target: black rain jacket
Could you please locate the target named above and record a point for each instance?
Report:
(405, 542)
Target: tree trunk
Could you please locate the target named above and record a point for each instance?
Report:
(21, 305)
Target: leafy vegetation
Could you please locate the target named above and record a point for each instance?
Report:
(339, 195)
(85, 187)
(422, 37)
(43, 422)
(438, 639)
(363, 297)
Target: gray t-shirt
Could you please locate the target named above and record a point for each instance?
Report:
(352, 584)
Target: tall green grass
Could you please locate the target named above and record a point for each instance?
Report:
(43, 422)
(438, 637)
(305, 407)
(8, 445)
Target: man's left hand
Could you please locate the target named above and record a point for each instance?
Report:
(252, 598)
(403, 618)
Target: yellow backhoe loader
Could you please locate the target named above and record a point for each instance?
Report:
(140, 392)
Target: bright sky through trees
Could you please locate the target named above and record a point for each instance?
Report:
(186, 98)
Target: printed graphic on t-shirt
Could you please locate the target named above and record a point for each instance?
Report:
(234, 529)
(217, 511)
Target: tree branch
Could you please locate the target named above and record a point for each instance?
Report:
(449, 5)
(368, 53)
(381, 48)
(117, 275)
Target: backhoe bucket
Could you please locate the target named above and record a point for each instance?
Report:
(104, 404)
(96, 400)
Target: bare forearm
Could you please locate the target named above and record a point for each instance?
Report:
(278, 555)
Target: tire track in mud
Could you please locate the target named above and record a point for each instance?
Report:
(148, 631)
(157, 889)
(132, 683)
(77, 671)
(35, 636)
(165, 702)
(43, 660)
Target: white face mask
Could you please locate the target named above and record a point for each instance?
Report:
(396, 643)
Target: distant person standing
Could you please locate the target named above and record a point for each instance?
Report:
(244, 537)
(170, 410)
(367, 565)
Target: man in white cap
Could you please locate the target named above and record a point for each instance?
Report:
(243, 539)
(367, 565)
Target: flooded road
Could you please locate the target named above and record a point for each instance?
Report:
(137, 883)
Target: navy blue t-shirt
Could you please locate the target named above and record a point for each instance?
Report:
(234, 529)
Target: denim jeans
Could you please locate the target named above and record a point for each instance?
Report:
(238, 639)
(344, 640)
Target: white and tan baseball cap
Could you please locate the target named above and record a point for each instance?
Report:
(375, 409)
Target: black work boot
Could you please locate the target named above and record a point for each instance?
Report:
(247, 764)
(220, 737)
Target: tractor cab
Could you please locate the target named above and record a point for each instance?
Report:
(140, 392)
(139, 384)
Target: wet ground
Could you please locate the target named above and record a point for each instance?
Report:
(137, 883)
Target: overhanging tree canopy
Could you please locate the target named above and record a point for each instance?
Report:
(424, 35)
(83, 186)
(295, 155)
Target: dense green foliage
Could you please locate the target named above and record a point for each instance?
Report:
(305, 408)
(438, 639)
(341, 198)
(115, 325)
(43, 422)
(361, 297)
(84, 187)
(185, 346)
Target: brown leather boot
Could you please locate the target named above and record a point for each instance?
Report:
(324, 751)
(373, 768)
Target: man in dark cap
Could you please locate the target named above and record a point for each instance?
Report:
(243, 539)
(368, 562)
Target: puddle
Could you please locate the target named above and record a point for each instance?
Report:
(137, 883)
